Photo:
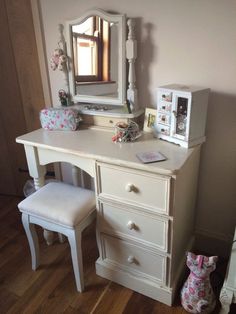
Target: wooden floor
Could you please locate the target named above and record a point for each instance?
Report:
(51, 289)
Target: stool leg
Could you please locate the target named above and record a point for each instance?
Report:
(32, 239)
(74, 238)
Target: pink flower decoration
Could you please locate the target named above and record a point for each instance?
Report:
(186, 295)
(58, 59)
(201, 294)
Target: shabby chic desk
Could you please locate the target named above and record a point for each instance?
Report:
(145, 212)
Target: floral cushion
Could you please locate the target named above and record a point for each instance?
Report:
(59, 119)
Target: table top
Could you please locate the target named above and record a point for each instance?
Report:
(97, 144)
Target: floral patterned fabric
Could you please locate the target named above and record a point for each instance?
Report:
(59, 119)
(197, 295)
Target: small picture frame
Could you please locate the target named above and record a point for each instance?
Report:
(149, 119)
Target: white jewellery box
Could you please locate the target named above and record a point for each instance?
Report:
(181, 114)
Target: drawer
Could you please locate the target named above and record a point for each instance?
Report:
(163, 129)
(142, 189)
(163, 118)
(134, 258)
(103, 121)
(164, 107)
(165, 96)
(139, 226)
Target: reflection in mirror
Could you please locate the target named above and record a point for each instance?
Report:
(95, 57)
(96, 48)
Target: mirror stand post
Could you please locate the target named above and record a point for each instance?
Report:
(65, 67)
(131, 55)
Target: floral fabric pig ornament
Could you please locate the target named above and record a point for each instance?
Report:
(197, 295)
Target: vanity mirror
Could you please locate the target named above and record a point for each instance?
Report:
(96, 50)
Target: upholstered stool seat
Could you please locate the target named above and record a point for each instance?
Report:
(61, 208)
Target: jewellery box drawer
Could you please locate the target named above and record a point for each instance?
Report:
(133, 224)
(163, 129)
(133, 258)
(164, 107)
(164, 118)
(135, 187)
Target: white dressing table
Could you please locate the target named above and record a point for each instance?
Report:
(145, 212)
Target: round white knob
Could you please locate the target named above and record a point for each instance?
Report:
(130, 225)
(130, 259)
(129, 187)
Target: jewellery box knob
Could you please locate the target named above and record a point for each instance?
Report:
(130, 225)
(130, 259)
(129, 187)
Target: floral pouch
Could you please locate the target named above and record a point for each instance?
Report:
(66, 119)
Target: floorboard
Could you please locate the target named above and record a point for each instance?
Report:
(51, 289)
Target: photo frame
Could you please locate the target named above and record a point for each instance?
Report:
(149, 119)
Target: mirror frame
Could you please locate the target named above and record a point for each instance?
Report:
(120, 19)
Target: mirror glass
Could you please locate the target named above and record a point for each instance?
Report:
(96, 49)
(96, 57)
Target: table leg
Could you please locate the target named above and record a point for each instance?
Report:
(39, 182)
(61, 237)
(75, 175)
(48, 236)
(37, 172)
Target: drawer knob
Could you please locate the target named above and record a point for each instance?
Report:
(130, 259)
(129, 187)
(131, 225)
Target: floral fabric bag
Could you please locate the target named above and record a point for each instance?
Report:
(59, 119)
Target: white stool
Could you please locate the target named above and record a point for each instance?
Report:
(61, 208)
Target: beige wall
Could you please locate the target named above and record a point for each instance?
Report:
(189, 42)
